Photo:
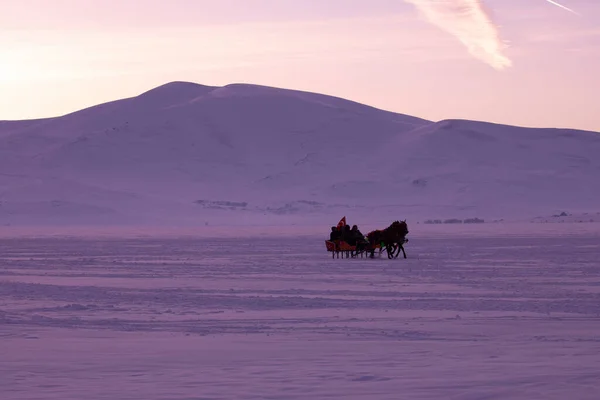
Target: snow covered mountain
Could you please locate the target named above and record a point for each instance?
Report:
(184, 153)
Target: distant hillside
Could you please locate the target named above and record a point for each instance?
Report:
(184, 153)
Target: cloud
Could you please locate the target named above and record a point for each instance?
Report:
(468, 21)
(561, 6)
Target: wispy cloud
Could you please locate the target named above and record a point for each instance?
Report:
(561, 6)
(469, 22)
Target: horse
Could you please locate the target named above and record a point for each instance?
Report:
(392, 238)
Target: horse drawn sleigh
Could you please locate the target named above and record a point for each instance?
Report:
(391, 240)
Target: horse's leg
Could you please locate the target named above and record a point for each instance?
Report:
(389, 248)
(403, 252)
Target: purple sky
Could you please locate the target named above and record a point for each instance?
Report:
(524, 62)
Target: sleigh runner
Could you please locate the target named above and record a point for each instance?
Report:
(340, 248)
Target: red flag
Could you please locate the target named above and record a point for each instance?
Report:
(342, 222)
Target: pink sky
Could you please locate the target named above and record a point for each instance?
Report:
(540, 70)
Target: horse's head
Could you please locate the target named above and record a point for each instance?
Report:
(400, 227)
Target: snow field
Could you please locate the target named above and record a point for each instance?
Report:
(480, 316)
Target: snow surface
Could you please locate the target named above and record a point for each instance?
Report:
(187, 154)
(480, 315)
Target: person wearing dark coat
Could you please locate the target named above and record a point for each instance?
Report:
(357, 237)
(347, 235)
(335, 234)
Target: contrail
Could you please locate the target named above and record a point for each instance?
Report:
(561, 6)
(468, 21)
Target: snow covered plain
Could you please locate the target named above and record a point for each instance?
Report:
(478, 315)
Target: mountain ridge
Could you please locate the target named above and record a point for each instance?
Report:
(179, 86)
(186, 152)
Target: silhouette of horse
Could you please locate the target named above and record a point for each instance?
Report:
(391, 238)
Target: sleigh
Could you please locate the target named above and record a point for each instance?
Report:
(339, 248)
(391, 240)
